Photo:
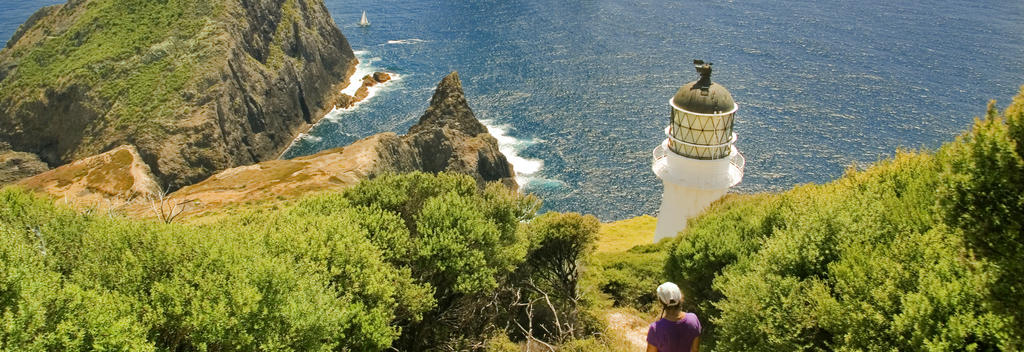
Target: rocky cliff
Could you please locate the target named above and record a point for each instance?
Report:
(197, 86)
(18, 165)
(447, 138)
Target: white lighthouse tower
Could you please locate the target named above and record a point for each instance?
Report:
(698, 161)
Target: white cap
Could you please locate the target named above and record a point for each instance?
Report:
(669, 294)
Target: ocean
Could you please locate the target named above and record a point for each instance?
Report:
(577, 91)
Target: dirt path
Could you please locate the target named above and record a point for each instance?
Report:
(631, 327)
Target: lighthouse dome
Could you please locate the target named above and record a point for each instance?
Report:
(703, 96)
(716, 99)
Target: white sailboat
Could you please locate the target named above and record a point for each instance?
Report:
(363, 21)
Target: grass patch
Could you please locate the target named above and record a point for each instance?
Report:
(622, 235)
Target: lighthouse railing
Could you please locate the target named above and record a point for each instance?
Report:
(659, 152)
(738, 161)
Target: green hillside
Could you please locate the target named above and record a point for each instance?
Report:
(197, 86)
(136, 55)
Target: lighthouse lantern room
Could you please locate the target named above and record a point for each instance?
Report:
(698, 161)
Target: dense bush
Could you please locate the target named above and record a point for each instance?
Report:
(545, 294)
(414, 262)
(459, 241)
(982, 198)
(877, 260)
(629, 278)
(280, 282)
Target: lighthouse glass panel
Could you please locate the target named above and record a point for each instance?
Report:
(706, 136)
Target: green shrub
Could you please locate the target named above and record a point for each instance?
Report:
(982, 197)
(324, 274)
(629, 278)
(546, 296)
(590, 344)
(460, 241)
(730, 230)
(500, 343)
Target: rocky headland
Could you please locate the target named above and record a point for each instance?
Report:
(196, 86)
(447, 138)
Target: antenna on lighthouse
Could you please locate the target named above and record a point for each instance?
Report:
(698, 161)
(704, 69)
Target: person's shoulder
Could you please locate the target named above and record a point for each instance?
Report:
(692, 320)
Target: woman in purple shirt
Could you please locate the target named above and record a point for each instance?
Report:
(676, 331)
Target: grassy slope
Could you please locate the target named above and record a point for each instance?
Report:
(622, 235)
(139, 56)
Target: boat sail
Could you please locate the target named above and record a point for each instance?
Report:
(363, 21)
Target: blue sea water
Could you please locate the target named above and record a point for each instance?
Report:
(579, 90)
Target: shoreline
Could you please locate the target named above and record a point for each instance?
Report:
(525, 169)
(349, 90)
(322, 111)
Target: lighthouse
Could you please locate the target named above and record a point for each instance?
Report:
(698, 161)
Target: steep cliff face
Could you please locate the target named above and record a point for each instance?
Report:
(197, 86)
(448, 138)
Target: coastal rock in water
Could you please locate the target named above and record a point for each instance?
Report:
(381, 77)
(345, 101)
(448, 138)
(107, 180)
(361, 94)
(368, 81)
(218, 84)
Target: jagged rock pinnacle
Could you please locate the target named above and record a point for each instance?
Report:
(449, 108)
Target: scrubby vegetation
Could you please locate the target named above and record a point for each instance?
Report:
(415, 262)
(137, 55)
(918, 252)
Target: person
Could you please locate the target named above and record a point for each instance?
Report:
(676, 331)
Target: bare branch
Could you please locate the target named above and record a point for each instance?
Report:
(164, 208)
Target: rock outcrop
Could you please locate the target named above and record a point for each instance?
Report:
(18, 165)
(104, 181)
(447, 138)
(345, 101)
(196, 86)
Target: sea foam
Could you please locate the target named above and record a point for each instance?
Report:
(526, 168)
(365, 67)
(407, 41)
